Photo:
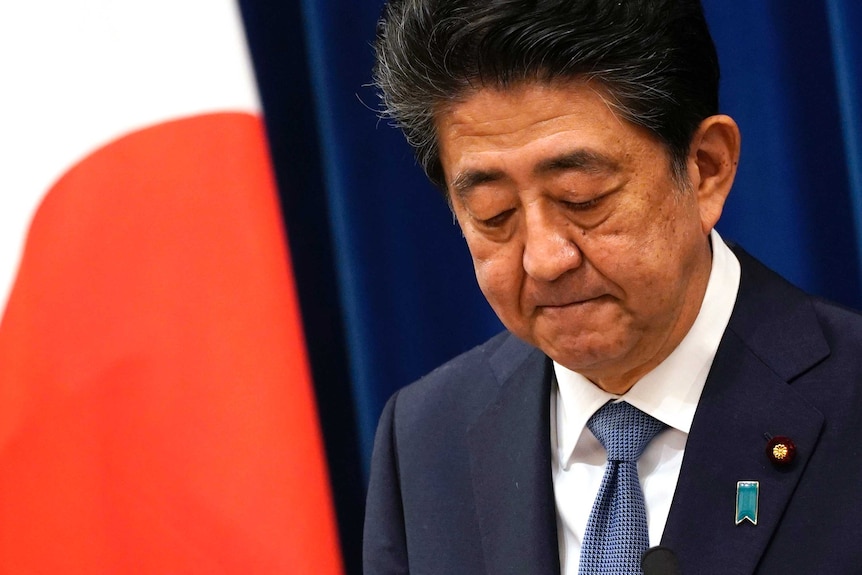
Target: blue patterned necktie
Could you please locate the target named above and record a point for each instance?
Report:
(617, 533)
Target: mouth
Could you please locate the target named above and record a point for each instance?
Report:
(553, 306)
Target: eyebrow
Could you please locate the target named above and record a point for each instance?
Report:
(469, 179)
(578, 160)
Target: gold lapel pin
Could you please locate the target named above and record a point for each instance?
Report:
(781, 450)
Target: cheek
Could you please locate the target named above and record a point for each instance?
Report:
(491, 273)
(498, 272)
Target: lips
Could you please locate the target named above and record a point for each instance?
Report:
(568, 302)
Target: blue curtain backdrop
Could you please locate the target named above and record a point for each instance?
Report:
(385, 280)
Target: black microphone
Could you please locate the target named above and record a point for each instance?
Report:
(659, 561)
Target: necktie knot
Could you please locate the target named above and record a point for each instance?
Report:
(623, 430)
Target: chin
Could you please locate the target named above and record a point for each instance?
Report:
(583, 354)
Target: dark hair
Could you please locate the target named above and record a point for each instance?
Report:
(654, 58)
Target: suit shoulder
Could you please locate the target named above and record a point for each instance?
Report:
(833, 311)
(841, 325)
(465, 383)
(471, 360)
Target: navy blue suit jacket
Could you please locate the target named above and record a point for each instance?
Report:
(461, 472)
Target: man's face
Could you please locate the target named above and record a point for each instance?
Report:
(582, 241)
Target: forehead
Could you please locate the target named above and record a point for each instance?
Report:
(530, 101)
(526, 124)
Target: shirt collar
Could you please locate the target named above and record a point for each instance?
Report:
(670, 391)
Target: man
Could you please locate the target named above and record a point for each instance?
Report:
(579, 145)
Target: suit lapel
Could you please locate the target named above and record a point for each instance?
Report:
(510, 465)
(773, 336)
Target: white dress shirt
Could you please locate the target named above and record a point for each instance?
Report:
(669, 393)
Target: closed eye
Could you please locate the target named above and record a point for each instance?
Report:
(498, 220)
(582, 206)
(592, 202)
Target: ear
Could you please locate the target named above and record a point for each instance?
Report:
(712, 160)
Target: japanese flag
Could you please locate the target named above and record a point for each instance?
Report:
(156, 407)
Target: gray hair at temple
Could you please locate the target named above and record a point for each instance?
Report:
(653, 61)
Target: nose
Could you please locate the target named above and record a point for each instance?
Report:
(549, 251)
